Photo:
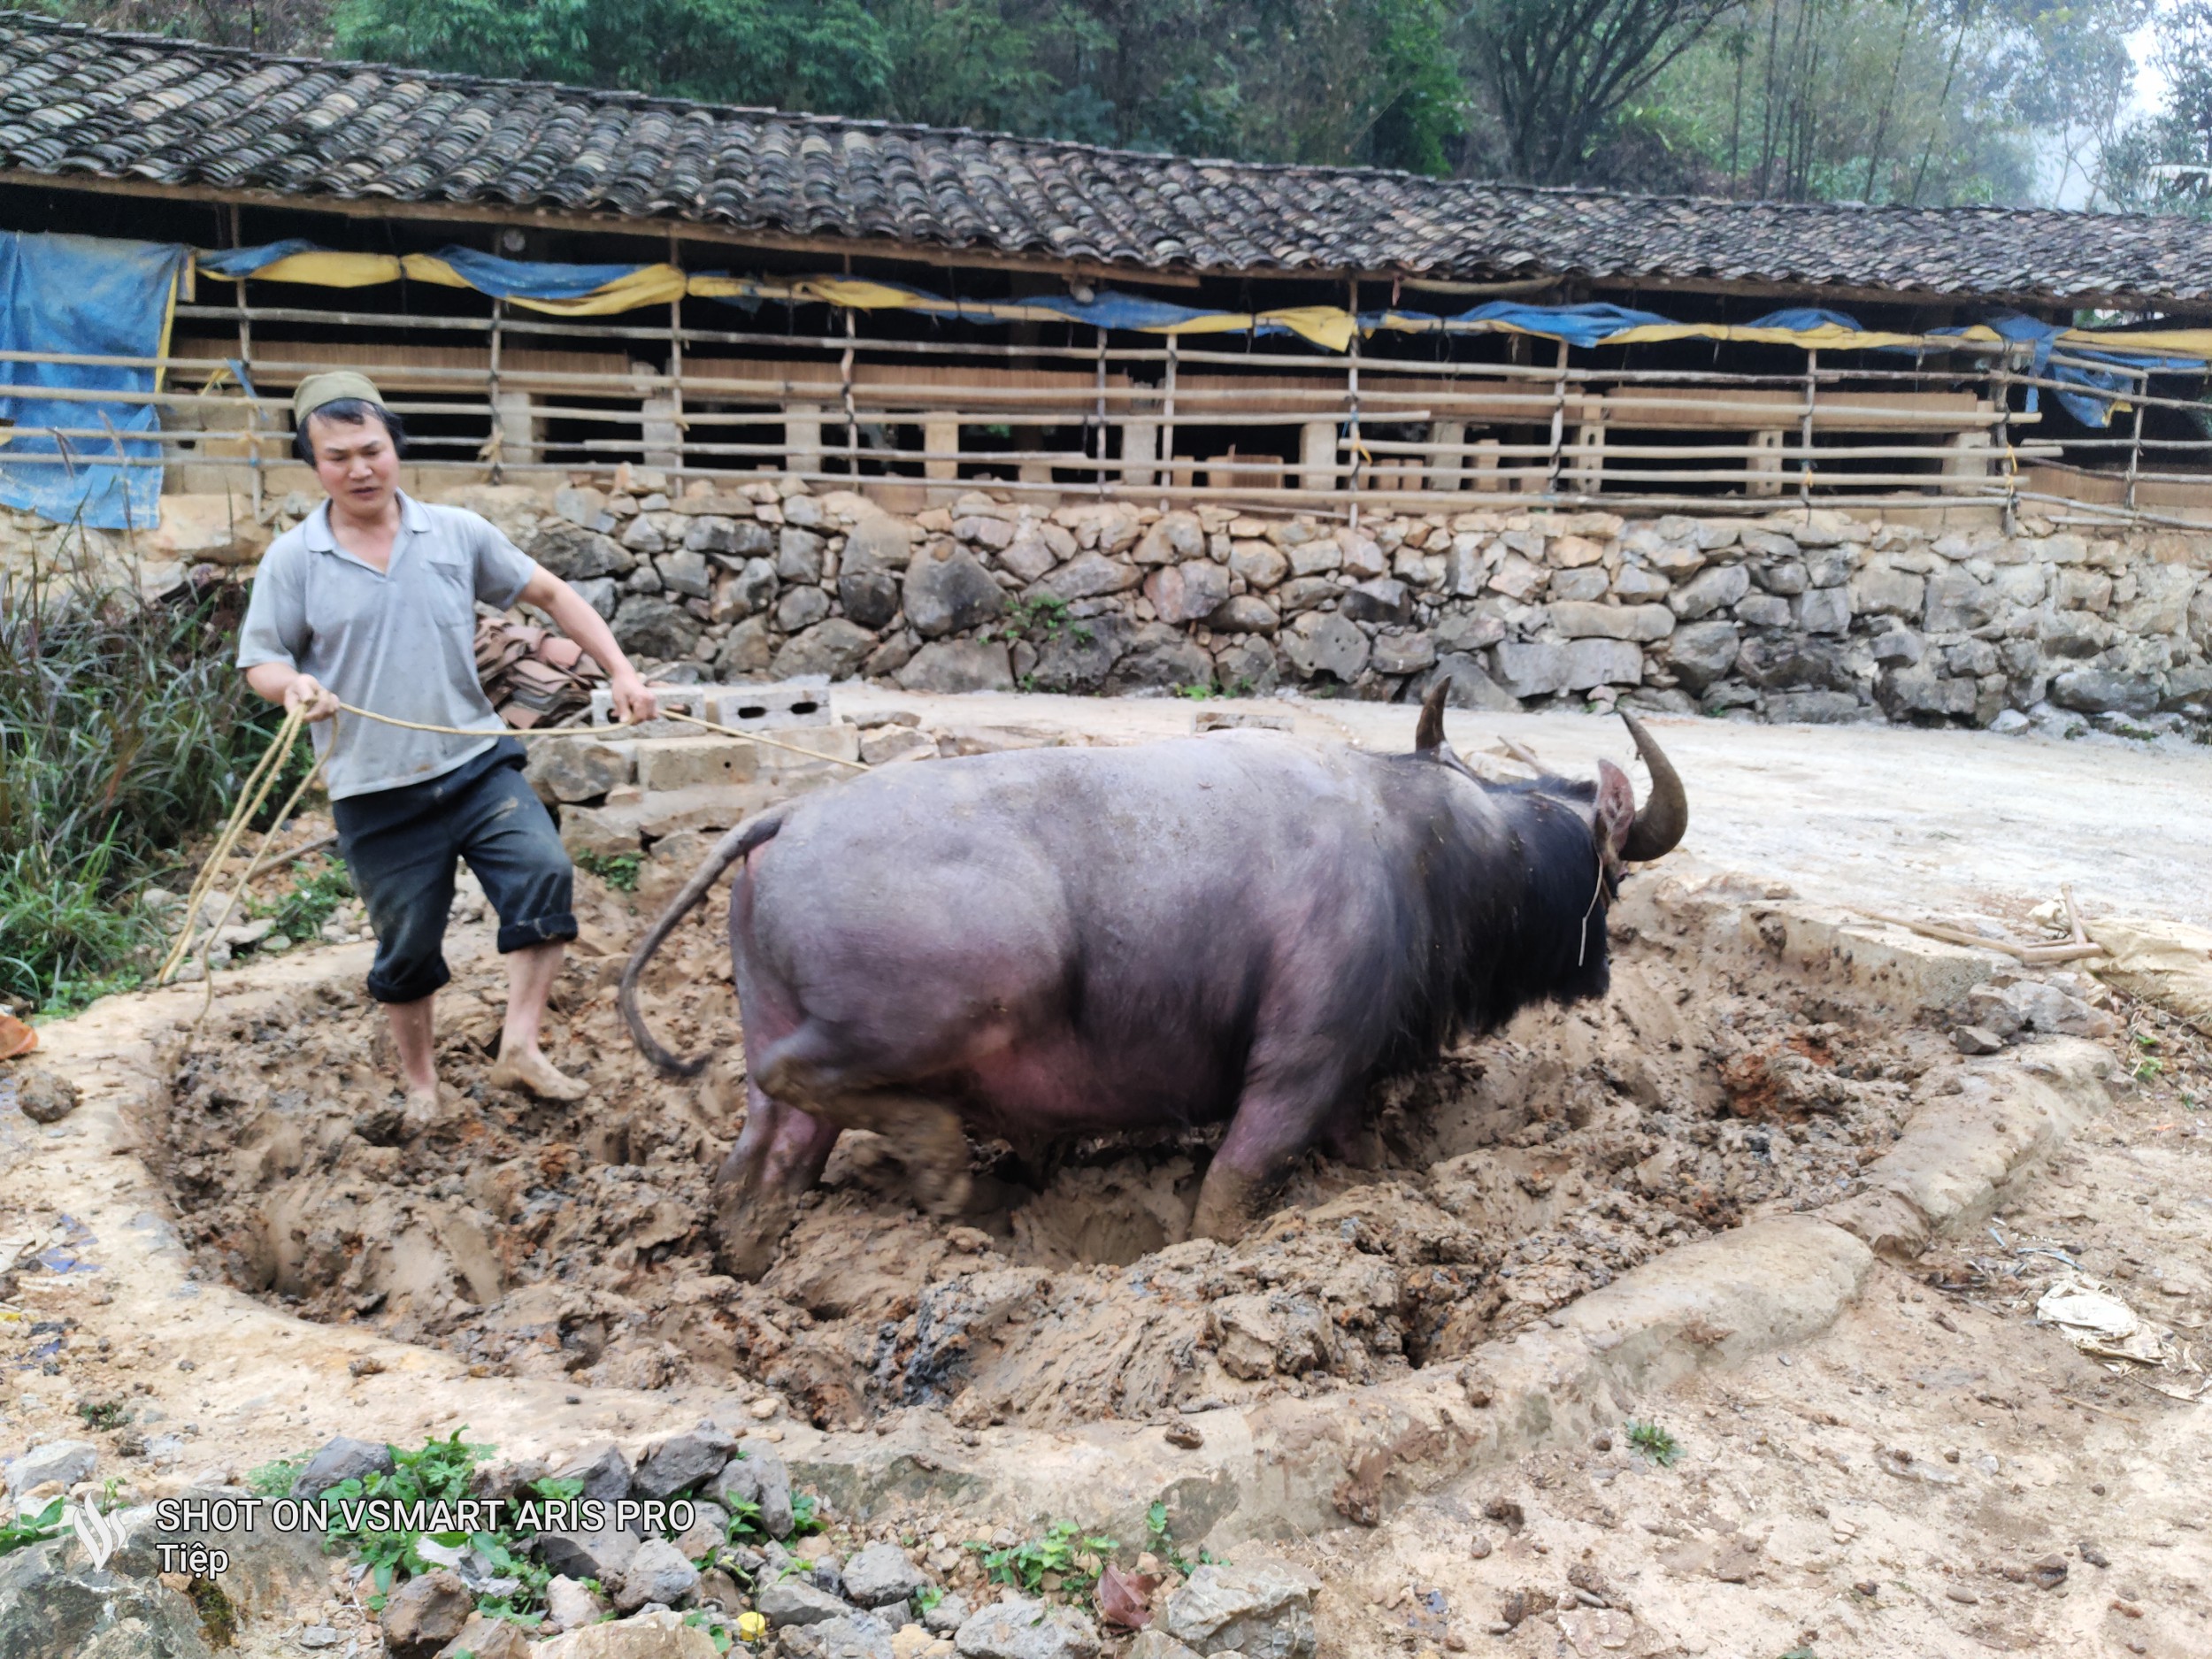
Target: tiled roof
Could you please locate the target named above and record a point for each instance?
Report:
(126, 107)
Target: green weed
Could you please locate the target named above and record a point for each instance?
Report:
(274, 1479)
(1065, 1554)
(30, 1529)
(1655, 1443)
(618, 870)
(103, 1413)
(314, 898)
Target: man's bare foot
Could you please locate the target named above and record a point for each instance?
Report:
(423, 1110)
(531, 1070)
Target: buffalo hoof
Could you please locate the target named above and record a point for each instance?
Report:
(1225, 1202)
(748, 1232)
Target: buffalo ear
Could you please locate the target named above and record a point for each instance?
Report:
(1428, 736)
(1616, 813)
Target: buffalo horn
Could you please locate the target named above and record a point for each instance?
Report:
(1430, 733)
(1665, 815)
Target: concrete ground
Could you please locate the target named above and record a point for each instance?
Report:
(1893, 817)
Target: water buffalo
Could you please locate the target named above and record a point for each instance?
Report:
(1060, 942)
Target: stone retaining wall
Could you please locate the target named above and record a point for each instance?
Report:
(1799, 616)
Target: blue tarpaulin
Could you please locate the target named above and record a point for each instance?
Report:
(1578, 324)
(83, 297)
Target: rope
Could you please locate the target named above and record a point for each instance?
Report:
(602, 732)
(263, 779)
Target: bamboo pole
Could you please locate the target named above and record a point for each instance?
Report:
(1558, 421)
(1167, 426)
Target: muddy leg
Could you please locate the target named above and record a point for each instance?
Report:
(1267, 1133)
(928, 1140)
(779, 1154)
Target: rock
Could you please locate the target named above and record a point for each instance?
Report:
(1313, 557)
(55, 1605)
(1702, 652)
(756, 1475)
(1080, 656)
(65, 1461)
(1258, 1335)
(879, 1574)
(871, 598)
(1188, 592)
(733, 539)
(859, 1636)
(647, 626)
(575, 553)
(568, 770)
(1763, 611)
(1018, 1628)
(1321, 643)
(44, 1095)
(1404, 653)
(1089, 577)
(986, 530)
(950, 596)
(1263, 1611)
(1469, 631)
(642, 535)
(662, 1635)
(1579, 620)
(598, 1556)
(2044, 1007)
(1634, 584)
(1160, 658)
(1882, 589)
(1176, 537)
(1956, 601)
(1155, 1643)
(959, 665)
(484, 1637)
(1896, 644)
(798, 555)
(341, 1459)
(681, 1462)
(1586, 584)
(686, 572)
(602, 1471)
(315, 1638)
(1248, 667)
(1919, 689)
(1306, 592)
(1029, 555)
(881, 744)
(1258, 562)
(2101, 691)
(1245, 613)
(1976, 1040)
(747, 652)
(947, 1616)
(658, 1572)
(1794, 660)
(1532, 668)
(800, 608)
(836, 648)
(1813, 708)
(788, 1602)
(1471, 685)
(1824, 611)
(1710, 590)
(877, 542)
(569, 1605)
(1380, 599)
(425, 1614)
(1786, 577)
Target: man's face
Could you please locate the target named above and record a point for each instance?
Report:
(356, 461)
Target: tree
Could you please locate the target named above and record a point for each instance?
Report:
(2165, 160)
(300, 27)
(794, 54)
(1560, 69)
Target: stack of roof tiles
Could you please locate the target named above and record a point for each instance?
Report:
(77, 101)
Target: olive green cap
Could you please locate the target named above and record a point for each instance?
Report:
(334, 387)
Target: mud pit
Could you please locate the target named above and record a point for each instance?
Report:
(1518, 1174)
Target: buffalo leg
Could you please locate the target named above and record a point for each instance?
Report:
(1266, 1136)
(778, 1156)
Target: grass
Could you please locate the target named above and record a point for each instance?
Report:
(314, 898)
(1064, 1559)
(1655, 1443)
(125, 729)
(618, 870)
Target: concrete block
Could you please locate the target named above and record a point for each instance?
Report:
(683, 763)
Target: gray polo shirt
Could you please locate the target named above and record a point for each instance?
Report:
(401, 641)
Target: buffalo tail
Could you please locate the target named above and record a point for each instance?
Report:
(754, 831)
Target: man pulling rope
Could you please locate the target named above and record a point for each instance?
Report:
(370, 601)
